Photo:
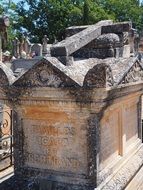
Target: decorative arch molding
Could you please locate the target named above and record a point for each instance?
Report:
(100, 76)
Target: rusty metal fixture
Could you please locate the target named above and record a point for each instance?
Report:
(6, 136)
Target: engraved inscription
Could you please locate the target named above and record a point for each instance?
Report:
(53, 161)
(54, 146)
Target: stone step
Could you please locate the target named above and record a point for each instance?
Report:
(6, 174)
(137, 182)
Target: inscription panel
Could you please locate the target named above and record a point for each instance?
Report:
(130, 123)
(55, 145)
(109, 137)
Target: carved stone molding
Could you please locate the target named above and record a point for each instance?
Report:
(41, 76)
(99, 77)
(135, 74)
(44, 75)
(124, 175)
(47, 77)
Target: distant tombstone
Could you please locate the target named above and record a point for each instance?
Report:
(21, 46)
(45, 43)
(132, 40)
(27, 46)
(16, 45)
(37, 49)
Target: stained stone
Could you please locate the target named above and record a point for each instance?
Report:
(77, 126)
(114, 28)
(73, 43)
(37, 49)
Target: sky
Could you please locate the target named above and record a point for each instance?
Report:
(15, 1)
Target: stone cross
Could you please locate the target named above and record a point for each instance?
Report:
(79, 40)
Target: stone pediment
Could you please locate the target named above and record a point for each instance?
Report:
(45, 74)
(114, 72)
(135, 74)
(50, 72)
(126, 70)
(88, 73)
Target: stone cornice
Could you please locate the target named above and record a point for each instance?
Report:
(125, 174)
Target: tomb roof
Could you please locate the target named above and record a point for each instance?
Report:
(50, 71)
(79, 73)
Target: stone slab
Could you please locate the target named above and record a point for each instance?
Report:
(115, 28)
(5, 163)
(136, 182)
(77, 41)
(6, 174)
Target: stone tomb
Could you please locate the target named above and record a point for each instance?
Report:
(78, 126)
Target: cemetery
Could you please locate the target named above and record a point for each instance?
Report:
(76, 109)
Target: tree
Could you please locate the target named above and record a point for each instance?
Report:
(8, 8)
(94, 12)
(86, 11)
(51, 17)
(125, 10)
(48, 18)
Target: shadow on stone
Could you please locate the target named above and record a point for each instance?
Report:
(13, 184)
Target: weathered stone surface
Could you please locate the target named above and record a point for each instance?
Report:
(7, 76)
(114, 28)
(107, 40)
(106, 45)
(73, 43)
(117, 28)
(51, 72)
(74, 30)
(115, 121)
(37, 49)
(126, 173)
(20, 66)
(135, 74)
(58, 139)
(45, 74)
(65, 116)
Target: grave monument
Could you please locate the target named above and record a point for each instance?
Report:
(77, 113)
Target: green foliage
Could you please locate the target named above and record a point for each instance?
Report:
(86, 12)
(8, 8)
(125, 10)
(93, 12)
(51, 17)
